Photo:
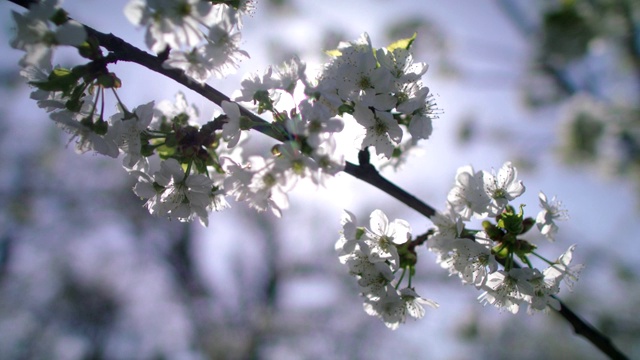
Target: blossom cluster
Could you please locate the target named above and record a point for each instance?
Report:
(486, 258)
(307, 129)
(383, 91)
(200, 166)
(203, 35)
(483, 258)
(374, 255)
(380, 88)
(41, 29)
(74, 99)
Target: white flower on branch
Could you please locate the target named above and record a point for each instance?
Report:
(127, 128)
(551, 212)
(82, 126)
(502, 187)
(169, 22)
(382, 130)
(467, 197)
(37, 38)
(173, 193)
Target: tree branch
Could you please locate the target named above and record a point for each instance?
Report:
(124, 51)
(583, 328)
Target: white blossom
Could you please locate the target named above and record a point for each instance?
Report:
(551, 212)
(231, 130)
(172, 193)
(502, 187)
(127, 128)
(382, 130)
(169, 22)
(36, 36)
(468, 197)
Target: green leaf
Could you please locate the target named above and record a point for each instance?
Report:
(333, 53)
(402, 43)
(346, 108)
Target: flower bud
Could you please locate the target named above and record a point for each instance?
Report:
(493, 231)
(527, 224)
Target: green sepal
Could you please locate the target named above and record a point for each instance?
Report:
(59, 17)
(147, 150)
(109, 81)
(74, 104)
(263, 100)
(100, 127)
(494, 232)
(201, 165)
(512, 222)
(522, 248)
(171, 140)
(408, 257)
(60, 79)
(527, 224)
(181, 119)
(90, 49)
(346, 108)
(500, 251)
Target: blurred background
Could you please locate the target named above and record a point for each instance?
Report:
(87, 273)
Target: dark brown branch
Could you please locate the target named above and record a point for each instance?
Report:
(583, 328)
(24, 3)
(369, 174)
(123, 51)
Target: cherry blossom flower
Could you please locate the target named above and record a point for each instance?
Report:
(171, 192)
(194, 63)
(468, 197)
(36, 37)
(127, 128)
(259, 184)
(414, 303)
(562, 269)
(385, 236)
(169, 22)
(551, 212)
(507, 289)
(348, 236)
(502, 187)
(167, 111)
(82, 126)
(256, 83)
(391, 309)
(382, 130)
(231, 130)
(222, 49)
